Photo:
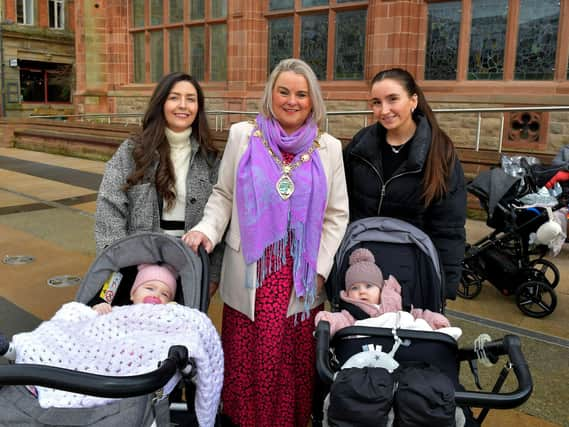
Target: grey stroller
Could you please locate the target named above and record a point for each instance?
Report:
(366, 394)
(141, 399)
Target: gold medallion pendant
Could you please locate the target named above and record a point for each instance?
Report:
(285, 186)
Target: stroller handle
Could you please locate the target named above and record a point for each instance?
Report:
(509, 344)
(96, 385)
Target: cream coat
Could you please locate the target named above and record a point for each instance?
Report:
(221, 211)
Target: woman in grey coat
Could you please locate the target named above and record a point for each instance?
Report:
(161, 178)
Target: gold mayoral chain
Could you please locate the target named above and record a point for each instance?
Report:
(285, 184)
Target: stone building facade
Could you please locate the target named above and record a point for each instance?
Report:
(464, 53)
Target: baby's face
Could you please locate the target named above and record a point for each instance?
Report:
(364, 292)
(152, 292)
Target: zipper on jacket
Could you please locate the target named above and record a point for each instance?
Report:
(383, 184)
(384, 187)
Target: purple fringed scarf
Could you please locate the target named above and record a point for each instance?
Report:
(265, 219)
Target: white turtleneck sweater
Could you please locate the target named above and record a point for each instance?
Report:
(180, 153)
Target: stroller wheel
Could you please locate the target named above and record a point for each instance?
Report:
(470, 284)
(545, 271)
(536, 298)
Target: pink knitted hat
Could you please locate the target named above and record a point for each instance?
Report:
(363, 269)
(163, 273)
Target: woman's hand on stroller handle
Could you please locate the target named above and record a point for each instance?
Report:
(196, 238)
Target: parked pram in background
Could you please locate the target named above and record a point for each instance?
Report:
(529, 222)
(147, 356)
(377, 373)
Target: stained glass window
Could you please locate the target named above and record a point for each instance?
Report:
(487, 39)
(350, 45)
(197, 9)
(443, 29)
(281, 4)
(218, 8)
(156, 12)
(139, 57)
(218, 50)
(157, 55)
(537, 39)
(197, 52)
(176, 10)
(176, 51)
(280, 40)
(138, 13)
(314, 42)
(310, 3)
(300, 31)
(190, 35)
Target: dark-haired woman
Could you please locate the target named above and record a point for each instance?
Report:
(161, 178)
(405, 166)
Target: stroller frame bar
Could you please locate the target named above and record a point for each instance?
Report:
(509, 345)
(97, 385)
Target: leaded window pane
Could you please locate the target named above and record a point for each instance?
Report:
(310, 3)
(197, 52)
(138, 13)
(197, 9)
(350, 45)
(176, 49)
(537, 39)
(280, 40)
(314, 42)
(281, 4)
(443, 29)
(176, 10)
(156, 12)
(156, 55)
(218, 8)
(139, 57)
(488, 38)
(218, 52)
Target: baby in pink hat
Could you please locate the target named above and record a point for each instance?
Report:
(154, 284)
(366, 289)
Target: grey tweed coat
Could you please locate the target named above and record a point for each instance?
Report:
(121, 213)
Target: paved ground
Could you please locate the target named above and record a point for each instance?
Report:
(46, 211)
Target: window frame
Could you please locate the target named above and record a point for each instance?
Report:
(26, 4)
(511, 43)
(298, 12)
(45, 76)
(56, 14)
(186, 24)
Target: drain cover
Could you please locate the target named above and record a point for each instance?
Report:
(64, 281)
(18, 259)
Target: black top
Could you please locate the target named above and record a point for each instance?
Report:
(378, 187)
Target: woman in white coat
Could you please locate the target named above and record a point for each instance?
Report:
(282, 191)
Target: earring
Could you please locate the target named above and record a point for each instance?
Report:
(412, 110)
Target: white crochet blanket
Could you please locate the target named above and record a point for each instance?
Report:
(128, 341)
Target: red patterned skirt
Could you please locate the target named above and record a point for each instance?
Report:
(269, 363)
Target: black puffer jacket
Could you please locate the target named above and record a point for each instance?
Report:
(401, 195)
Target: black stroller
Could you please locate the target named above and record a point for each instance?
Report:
(505, 257)
(405, 252)
(144, 401)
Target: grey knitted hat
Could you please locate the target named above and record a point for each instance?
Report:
(363, 269)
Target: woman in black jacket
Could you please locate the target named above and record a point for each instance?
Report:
(405, 167)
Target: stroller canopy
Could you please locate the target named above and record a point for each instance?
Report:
(400, 249)
(148, 248)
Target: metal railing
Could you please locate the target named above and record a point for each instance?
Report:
(220, 117)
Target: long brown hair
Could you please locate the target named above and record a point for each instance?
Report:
(442, 155)
(151, 139)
